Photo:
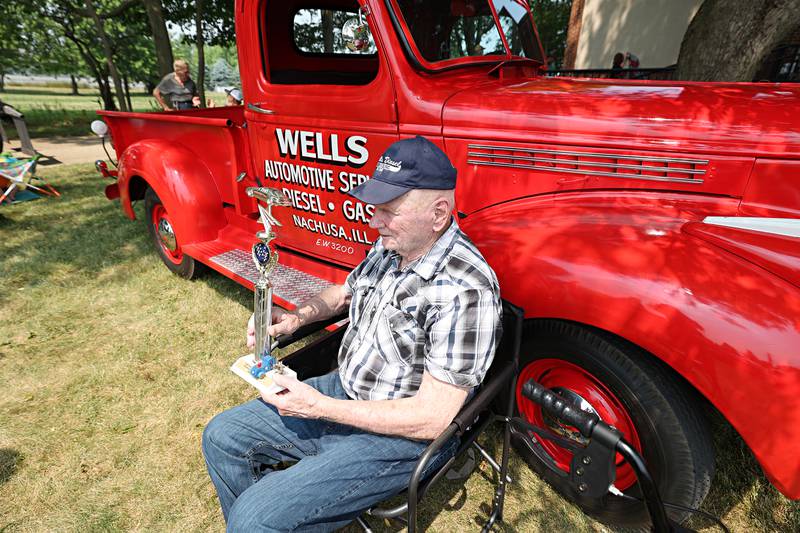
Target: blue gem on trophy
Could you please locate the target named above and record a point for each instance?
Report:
(261, 254)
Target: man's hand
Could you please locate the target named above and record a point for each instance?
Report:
(298, 399)
(284, 323)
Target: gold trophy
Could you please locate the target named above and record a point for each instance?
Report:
(258, 367)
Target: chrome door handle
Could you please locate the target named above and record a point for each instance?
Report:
(254, 107)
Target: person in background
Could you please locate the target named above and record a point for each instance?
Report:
(617, 68)
(234, 97)
(177, 91)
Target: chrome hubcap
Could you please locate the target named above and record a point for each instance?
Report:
(166, 235)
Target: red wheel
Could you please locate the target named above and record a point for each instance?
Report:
(166, 243)
(166, 235)
(586, 391)
(658, 414)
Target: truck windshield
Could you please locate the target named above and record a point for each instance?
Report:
(444, 30)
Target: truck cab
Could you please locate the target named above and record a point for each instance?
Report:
(650, 229)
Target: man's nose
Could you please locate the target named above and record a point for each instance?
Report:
(375, 222)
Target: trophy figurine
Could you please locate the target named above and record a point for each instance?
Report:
(258, 367)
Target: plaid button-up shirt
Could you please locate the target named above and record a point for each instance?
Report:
(441, 315)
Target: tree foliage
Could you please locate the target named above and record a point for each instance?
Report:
(552, 21)
(221, 74)
(12, 45)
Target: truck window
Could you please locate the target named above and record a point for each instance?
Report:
(318, 50)
(451, 29)
(319, 31)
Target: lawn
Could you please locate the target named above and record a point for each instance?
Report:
(53, 111)
(112, 366)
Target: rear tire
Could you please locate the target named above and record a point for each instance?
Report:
(160, 228)
(658, 413)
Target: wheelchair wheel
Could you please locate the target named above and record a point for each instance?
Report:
(160, 228)
(659, 414)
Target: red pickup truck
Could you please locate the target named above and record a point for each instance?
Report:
(650, 230)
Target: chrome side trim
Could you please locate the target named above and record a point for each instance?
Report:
(586, 172)
(537, 159)
(592, 154)
(787, 227)
(576, 163)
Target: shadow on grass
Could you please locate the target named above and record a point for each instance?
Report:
(9, 461)
(226, 287)
(739, 478)
(81, 231)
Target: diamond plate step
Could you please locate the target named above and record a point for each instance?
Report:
(288, 284)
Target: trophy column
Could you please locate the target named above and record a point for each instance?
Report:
(257, 368)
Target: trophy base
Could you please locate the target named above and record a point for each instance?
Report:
(264, 385)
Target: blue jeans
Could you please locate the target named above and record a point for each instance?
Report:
(337, 471)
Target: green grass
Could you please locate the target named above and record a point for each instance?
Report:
(53, 111)
(110, 367)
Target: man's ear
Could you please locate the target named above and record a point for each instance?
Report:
(441, 213)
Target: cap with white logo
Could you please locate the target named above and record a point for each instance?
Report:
(414, 163)
(236, 93)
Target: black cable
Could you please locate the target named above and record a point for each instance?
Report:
(107, 154)
(700, 512)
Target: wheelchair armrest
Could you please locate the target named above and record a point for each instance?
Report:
(463, 420)
(485, 396)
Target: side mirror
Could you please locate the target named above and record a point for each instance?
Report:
(355, 34)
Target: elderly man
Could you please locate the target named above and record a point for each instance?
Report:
(424, 323)
(178, 89)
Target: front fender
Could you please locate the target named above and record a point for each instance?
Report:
(182, 182)
(624, 264)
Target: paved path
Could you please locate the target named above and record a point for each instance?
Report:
(66, 150)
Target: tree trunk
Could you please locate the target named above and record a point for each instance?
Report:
(155, 14)
(127, 92)
(101, 34)
(573, 35)
(2, 82)
(74, 83)
(728, 40)
(105, 91)
(327, 31)
(201, 57)
(100, 74)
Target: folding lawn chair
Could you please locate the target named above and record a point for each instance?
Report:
(18, 119)
(18, 174)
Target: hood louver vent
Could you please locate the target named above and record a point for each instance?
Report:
(607, 165)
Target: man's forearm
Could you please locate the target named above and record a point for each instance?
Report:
(423, 416)
(403, 417)
(160, 99)
(328, 303)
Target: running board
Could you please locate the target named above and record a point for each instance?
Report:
(288, 284)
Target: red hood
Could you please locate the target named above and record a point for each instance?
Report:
(733, 118)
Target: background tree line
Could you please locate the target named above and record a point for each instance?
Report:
(119, 42)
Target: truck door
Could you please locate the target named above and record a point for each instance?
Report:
(320, 113)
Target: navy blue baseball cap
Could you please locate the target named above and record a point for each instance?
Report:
(407, 164)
